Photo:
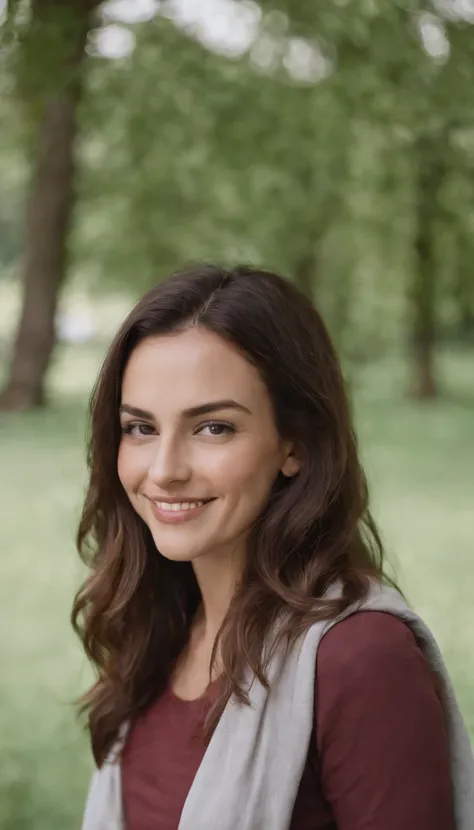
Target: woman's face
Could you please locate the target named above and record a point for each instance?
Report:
(200, 450)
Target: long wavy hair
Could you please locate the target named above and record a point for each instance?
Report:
(135, 609)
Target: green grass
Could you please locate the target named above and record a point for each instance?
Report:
(419, 460)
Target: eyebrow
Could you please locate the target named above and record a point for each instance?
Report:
(192, 412)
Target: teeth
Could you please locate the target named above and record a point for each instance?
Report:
(178, 505)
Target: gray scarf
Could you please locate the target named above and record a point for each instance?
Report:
(245, 781)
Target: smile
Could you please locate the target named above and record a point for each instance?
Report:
(175, 512)
(176, 506)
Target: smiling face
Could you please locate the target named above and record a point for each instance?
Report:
(200, 451)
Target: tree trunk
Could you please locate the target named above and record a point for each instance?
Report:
(48, 212)
(423, 383)
(463, 293)
(430, 173)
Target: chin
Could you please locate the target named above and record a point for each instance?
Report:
(175, 552)
(176, 556)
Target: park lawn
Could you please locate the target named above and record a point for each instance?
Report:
(419, 460)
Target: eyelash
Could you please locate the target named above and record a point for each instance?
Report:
(128, 429)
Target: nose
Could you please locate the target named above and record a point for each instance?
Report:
(169, 463)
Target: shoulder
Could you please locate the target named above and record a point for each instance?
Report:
(370, 672)
(379, 726)
(370, 651)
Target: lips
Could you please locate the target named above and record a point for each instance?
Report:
(178, 504)
(175, 512)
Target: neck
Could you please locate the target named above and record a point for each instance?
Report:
(217, 578)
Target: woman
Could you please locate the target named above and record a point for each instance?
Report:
(255, 669)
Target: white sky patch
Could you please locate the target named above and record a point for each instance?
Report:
(433, 36)
(466, 8)
(112, 41)
(225, 26)
(221, 25)
(305, 62)
(456, 9)
(130, 11)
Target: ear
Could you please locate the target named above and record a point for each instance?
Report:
(291, 464)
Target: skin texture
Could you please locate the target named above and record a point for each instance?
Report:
(231, 455)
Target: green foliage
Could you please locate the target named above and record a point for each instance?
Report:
(38, 36)
(13, 174)
(205, 158)
(192, 154)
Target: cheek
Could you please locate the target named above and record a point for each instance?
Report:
(129, 468)
(252, 470)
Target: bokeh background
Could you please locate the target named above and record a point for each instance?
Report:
(332, 141)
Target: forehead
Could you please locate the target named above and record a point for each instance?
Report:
(188, 367)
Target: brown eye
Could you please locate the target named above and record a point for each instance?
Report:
(138, 430)
(216, 428)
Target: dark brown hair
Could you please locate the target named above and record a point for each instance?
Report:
(134, 611)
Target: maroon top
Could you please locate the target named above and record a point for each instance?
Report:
(378, 758)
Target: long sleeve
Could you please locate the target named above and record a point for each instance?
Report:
(380, 731)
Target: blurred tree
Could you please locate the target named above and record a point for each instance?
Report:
(50, 51)
(12, 158)
(463, 289)
(405, 69)
(194, 154)
(431, 171)
(320, 151)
